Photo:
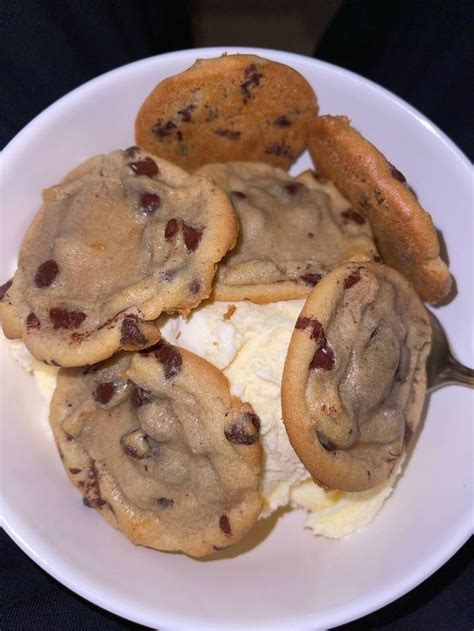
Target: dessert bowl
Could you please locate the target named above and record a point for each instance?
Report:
(280, 576)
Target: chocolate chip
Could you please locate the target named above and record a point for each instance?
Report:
(311, 279)
(5, 287)
(104, 392)
(78, 337)
(231, 134)
(323, 358)
(169, 275)
(63, 318)
(294, 187)
(170, 358)
(280, 149)
(130, 332)
(92, 497)
(316, 328)
(74, 471)
(130, 451)
(224, 525)
(140, 397)
(238, 195)
(282, 121)
(171, 229)
(244, 431)
(185, 114)
(194, 286)
(378, 259)
(150, 349)
(325, 442)
(398, 175)
(252, 80)
(46, 273)
(132, 151)
(180, 138)
(352, 279)
(310, 235)
(352, 215)
(161, 130)
(93, 502)
(149, 203)
(146, 167)
(32, 322)
(135, 444)
(165, 502)
(192, 236)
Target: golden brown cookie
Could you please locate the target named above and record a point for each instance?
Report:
(234, 107)
(156, 444)
(354, 380)
(292, 232)
(403, 231)
(11, 325)
(121, 239)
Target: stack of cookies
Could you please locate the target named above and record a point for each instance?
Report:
(204, 208)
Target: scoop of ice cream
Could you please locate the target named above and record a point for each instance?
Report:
(336, 514)
(45, 376)
(249, 343)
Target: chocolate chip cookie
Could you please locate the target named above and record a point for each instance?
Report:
(123, 238)
(293, 231)
(403, 231)
(354, 379)
(234, 107)
(157, 445)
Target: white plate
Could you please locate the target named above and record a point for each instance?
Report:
(290, 580)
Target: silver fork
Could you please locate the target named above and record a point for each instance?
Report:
(442, 368)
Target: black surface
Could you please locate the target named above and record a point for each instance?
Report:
(48, 48)
(34, 600)
(422, 50)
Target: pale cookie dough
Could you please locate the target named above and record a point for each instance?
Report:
(124, 237)
(354, 381)
(293, 231)
(158, 446)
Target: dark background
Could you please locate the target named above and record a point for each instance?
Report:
(421, 50)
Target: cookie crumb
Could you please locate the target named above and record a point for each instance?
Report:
(230, 312)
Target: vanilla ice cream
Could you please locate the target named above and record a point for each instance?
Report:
(45, 376)
(250, 347)
(249, 343)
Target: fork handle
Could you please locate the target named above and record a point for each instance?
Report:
(455, 372)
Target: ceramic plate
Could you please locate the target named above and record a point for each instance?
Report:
(282, 577)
